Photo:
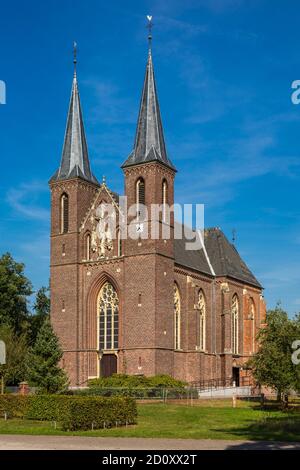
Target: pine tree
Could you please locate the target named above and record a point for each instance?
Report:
(41, 312)
(43, 370)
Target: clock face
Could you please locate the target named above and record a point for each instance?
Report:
(139, 228)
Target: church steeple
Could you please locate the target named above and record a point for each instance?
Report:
(149, 142)
(75, 159)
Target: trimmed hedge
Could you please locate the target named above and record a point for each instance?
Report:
(14, 406)
(73, 412)
(98, 412)
(140, 393)
(136, 386)
(47, 407)
(135, 381)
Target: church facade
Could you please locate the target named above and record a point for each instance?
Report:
(138, 304)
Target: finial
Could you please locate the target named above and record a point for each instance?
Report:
(74, 56)
(103, 179)
(149, 27)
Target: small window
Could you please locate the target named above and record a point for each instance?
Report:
(119, 243)
(252, 318)
(64, 213)
(235, 324)
(164, 198)
(88, 247)
(202, 320)
(177, 318)
(140, 191)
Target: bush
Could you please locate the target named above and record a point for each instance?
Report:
(165, 381)
(47, 407)
(72, 412)
(14, 406)
(136, 381)
(98, 412)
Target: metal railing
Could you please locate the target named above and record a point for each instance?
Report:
(213, 384)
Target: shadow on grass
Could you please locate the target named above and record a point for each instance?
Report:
(272, 432)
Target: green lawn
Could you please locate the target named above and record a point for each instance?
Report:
(180, 421)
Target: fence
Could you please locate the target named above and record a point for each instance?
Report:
(141, 393)
(213, 384)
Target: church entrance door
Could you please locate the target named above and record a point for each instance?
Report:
(236, 376)
(108, 365)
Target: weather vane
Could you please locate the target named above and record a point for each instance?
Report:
(149, 27)
(74, 55)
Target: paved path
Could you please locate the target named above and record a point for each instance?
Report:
(21, 442)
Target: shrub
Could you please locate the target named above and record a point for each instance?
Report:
(47, 407)
(129, 382)
(14, 406)
(73, 412)
(120, 380)
(98, 412)
(165, 381)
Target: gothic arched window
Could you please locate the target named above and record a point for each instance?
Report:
(119, 240)
(64, 213)
(202, 320)
(164, 199)
(88, 247)
(176, 317)
(252, 318)
(108, 308)
(140, 194)
(235, 324)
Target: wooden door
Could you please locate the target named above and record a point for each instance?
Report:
(108, 365)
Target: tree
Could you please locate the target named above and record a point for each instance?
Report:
(42, 310)
(16, 349)
(14, 290)
(272, 365)
(43, 369)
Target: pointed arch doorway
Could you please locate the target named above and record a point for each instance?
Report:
(108, 365)
(108, 329)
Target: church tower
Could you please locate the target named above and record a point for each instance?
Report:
(73, 187)
(149, 259)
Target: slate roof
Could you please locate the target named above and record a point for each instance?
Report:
(149, 145)
(194, 259)
(75, 159)
(225, 258)
(218, 257)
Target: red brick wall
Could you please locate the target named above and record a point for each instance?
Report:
(145, 274)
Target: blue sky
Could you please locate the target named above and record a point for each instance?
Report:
(224, 70)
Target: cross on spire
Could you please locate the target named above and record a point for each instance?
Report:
(149, 27)
(75, 56)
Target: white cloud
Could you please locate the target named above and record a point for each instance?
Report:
(24, 200)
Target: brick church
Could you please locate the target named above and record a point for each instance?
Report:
(139, 305)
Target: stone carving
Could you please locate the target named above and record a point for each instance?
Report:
(103, 229)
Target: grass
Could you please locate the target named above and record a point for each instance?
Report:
(208, 421)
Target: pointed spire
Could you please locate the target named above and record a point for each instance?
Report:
(75, 159)
(149, 142)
